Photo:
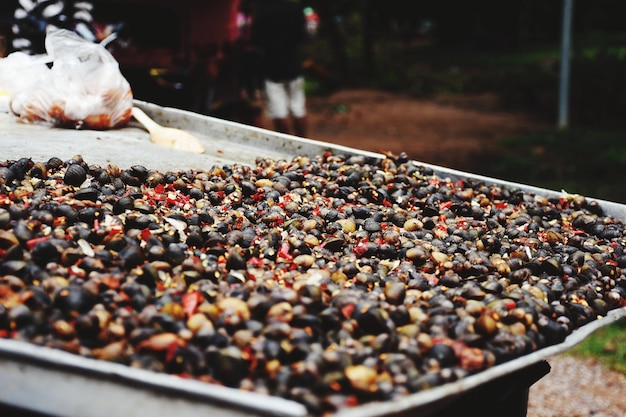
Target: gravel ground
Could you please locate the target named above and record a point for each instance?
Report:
(578, 388)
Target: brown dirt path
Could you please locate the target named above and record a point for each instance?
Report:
(456, 132)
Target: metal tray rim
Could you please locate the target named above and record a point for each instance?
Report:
(39, 356)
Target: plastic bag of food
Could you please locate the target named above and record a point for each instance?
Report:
(17, 72)
(78, 84)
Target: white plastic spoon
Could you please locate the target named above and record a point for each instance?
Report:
(168, 136)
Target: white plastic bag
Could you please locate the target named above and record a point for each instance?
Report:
(83, 87)
(17, 72)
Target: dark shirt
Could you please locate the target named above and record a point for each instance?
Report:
(278, 30)
(31, 19)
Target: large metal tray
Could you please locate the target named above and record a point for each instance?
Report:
(51, 382)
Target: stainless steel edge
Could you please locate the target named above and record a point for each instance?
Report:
(60, 383)
(264, 141)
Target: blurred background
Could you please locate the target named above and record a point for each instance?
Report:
(472, 85)
(478, 82)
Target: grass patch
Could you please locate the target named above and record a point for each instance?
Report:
(607, 345)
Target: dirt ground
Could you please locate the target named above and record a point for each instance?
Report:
(455, 132)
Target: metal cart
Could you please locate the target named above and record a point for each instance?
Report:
(36, 381)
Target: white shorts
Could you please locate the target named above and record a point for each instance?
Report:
(285, 98)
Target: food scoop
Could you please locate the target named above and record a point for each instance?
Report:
(168, 136)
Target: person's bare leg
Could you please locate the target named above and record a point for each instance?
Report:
(300, 126)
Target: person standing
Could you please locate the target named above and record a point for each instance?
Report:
(279, 30)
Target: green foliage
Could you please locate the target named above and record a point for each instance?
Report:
(525, 80)
(587, 162)
(598, 93)
(607, 344)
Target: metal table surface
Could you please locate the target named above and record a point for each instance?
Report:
(41, 381)
(225, 142)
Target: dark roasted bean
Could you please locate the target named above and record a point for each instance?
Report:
(328, 279)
